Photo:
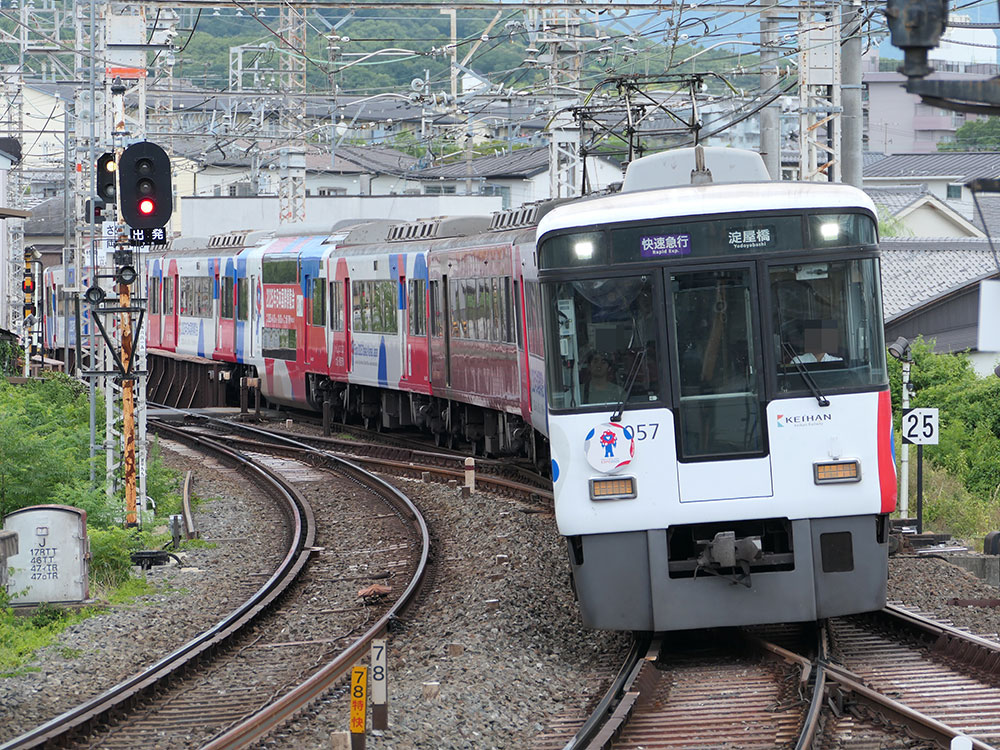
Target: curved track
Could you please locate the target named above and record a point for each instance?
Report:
(180, 696)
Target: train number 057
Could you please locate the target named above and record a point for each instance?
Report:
(643, 431)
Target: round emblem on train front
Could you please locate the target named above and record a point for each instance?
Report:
(610, 446)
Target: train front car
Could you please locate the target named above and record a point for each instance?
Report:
(719, 412)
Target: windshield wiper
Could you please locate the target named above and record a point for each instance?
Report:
(616, 416)
(820, 398)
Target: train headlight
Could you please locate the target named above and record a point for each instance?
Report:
(836, 471)
(617, 488)
(584, 249)
(829, 230)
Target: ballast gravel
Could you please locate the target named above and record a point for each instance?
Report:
(492, 651)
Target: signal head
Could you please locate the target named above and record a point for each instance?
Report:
(144, 176)
(106, 169)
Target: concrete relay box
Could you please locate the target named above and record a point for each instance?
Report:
(52, 563)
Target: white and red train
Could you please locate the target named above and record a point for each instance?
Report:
(704, 364)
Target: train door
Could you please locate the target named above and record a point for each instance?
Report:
(713, 322)
(169, 317)
(402, 307)
(256, 300)
(315, 287)
(446, 308)
(219, 310)
(348, 322)
(242, 314)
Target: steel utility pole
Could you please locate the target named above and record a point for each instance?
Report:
(770, 116)
(852, 132)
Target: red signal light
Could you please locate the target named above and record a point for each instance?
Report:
(28, 285)
(146, 206)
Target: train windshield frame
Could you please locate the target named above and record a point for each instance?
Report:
(799, 281)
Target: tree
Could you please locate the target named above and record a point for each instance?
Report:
(975, 135)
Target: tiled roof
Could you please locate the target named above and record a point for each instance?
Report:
(870, 157)
(47, 218)
(990, 205)
(960, 165)
(896, 198)
(914, 272)
(365, 160)
(524, 162)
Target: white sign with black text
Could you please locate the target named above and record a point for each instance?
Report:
(920, 426)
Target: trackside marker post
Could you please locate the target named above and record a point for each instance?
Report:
(470, 474)
(359, 702)
(380, 685)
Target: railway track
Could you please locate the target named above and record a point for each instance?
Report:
(400, 444)
(293, 640)
(503, 478)
(890, 679)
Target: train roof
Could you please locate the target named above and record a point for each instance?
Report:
(702, 200)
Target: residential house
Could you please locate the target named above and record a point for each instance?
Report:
(944, 174)
(931, 288)
(920, 213)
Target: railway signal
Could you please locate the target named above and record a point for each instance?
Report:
(107, 172)
(144, 178)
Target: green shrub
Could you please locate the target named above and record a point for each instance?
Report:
(110, 556)
(968, 454)
(163, 484)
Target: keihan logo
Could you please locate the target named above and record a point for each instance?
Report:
(802, 420)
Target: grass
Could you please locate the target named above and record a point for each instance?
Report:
(948, 507)
(22, 636)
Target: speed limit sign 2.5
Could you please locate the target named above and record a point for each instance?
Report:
(920, 426)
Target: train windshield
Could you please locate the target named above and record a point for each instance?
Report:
(828, 323)
(600, 329)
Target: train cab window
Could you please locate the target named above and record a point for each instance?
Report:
(827, 325)
(602, 331)
(714, 338)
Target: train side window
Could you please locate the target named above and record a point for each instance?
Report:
(390, 306)
(154, 296)
(417, 308)
(226, 303)
(497, 311)
(436, 326)
(242, 299)
(336, 305)
(318, 295)
(459, 323)
(358, 306)
(168, 295)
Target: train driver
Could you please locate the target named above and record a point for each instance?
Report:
(819, 340)
(601, 388)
